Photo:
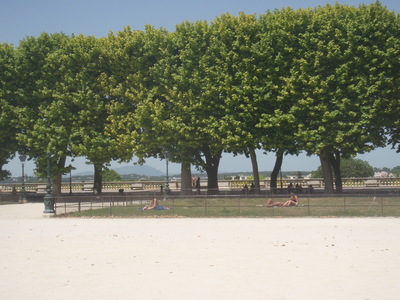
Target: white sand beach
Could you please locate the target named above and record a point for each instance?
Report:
(166, 258)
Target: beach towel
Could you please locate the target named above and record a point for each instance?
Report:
(156, 208)
(161, 208)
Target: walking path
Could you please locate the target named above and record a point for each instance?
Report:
(157, 258)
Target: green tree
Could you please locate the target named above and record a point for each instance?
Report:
(337, 85)
(356, 168)
(350, 167)
(276, 51)
(134, 118)
(322, 80)
(89, 81)
(8, 111)
(111, 175)
(194, 106)
(43, 119)
(391, 78)
(72, 95)
(396, 171)
(234, 74)
(177, 106)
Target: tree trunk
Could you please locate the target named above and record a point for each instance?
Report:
(186, 179)
(256, 174)
(98, 179)
(212, 181)
(211, 167)
(56, 189)
(326, 172)
(335, 163)
(275, 171)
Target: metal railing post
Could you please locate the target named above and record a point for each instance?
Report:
(205, 206)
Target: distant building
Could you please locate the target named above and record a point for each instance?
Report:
(239, 177)
(383, 174)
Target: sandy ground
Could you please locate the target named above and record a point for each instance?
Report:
(62, 258)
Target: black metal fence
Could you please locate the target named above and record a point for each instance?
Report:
(371, 203)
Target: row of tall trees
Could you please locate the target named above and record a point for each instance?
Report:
(324, 81)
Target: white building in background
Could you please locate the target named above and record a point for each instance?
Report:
(383, 174)
(240, 177)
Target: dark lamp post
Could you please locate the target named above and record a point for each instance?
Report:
(22, 158)
(48, 198)
(167, 155)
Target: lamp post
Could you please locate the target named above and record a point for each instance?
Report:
(23, 199)
(167, 155)
(48, 198)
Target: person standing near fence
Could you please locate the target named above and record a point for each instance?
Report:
(194, 182)
(198, 185)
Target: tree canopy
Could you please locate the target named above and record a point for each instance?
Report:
(351, 167)
(323, 80)
(8, 110)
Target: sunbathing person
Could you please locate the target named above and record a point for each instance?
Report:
(153, 204)
(293, 200)
(271, 203)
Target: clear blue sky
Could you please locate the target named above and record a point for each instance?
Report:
(22, 18)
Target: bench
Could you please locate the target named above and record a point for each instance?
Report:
(137, 186)
(41, 188)
(314, 183)
(371, 183)
(87, 187)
